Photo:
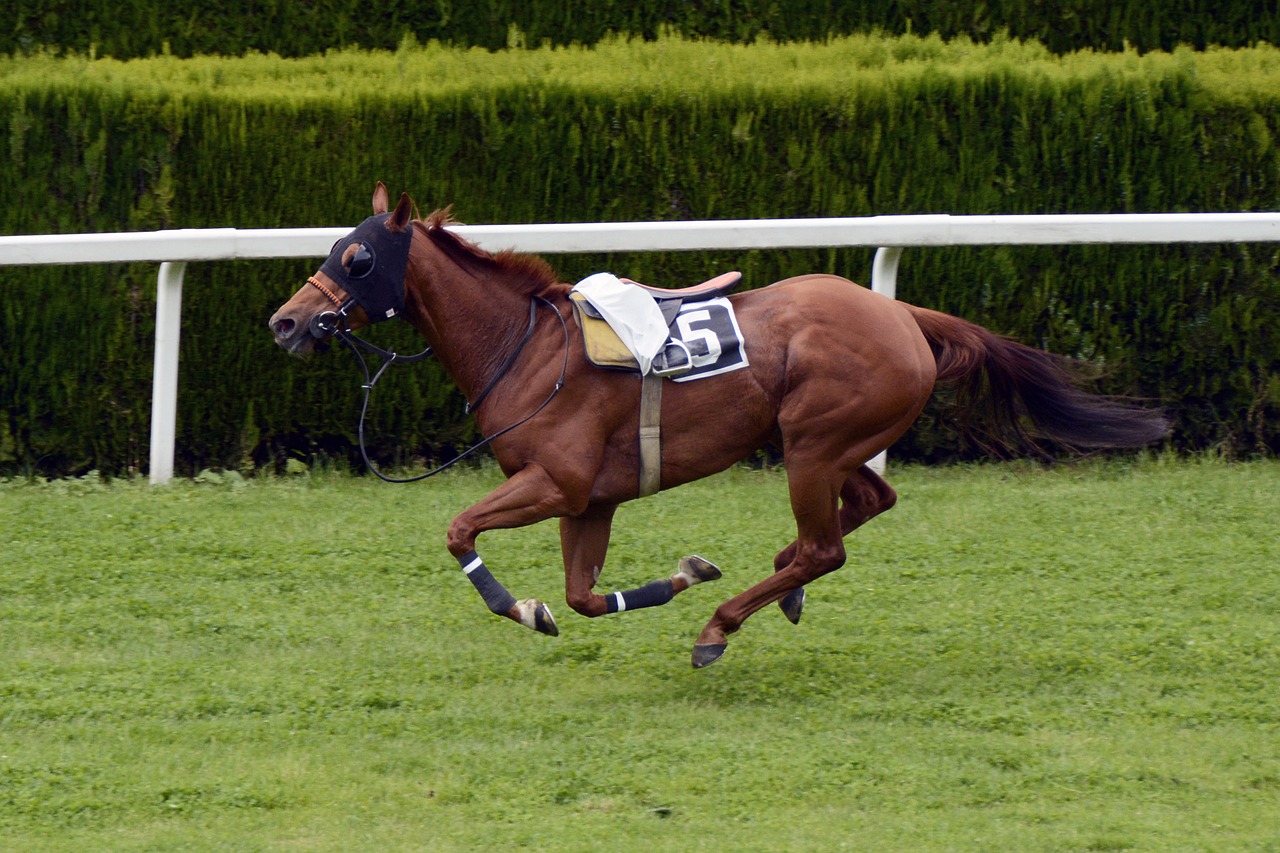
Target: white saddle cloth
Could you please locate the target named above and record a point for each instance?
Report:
(631, 312)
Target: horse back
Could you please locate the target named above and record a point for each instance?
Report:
(825, 325)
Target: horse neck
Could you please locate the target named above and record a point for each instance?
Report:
(471, 315)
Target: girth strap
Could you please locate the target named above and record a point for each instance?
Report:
(650, 434)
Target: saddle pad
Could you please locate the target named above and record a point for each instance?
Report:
(711, 322)
(604, 347)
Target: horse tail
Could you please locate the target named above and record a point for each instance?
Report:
(1023, 395)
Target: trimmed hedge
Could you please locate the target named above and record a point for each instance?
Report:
(290, 28)
(626, 130)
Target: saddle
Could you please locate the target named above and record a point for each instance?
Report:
(604, 347)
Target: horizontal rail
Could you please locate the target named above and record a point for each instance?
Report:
(221, 244)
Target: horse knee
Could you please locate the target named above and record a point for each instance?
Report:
(586, 602)
(460, 538)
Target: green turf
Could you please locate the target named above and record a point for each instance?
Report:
(1086, 658)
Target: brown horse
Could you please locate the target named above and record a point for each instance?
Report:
(836, 374)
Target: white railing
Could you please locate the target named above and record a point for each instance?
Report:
(173, 249)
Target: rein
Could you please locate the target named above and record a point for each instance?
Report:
(334, 323)
(510, 359)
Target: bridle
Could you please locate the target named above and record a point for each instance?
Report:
(334, 323)
(342, 307)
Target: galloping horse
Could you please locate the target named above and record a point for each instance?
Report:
(836, 373)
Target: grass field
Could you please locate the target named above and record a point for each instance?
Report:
(1080, 659)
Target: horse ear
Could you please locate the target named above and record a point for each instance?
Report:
(403, 213)
(380, 199)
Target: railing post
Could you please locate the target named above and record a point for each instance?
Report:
(884, 271)
(884, 280)
(164, 382)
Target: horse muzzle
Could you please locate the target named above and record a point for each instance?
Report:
(301, 338)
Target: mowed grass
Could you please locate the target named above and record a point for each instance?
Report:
(1083, 658)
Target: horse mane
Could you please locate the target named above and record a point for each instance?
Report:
(524, 271)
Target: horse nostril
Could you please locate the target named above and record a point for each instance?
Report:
(284, 327)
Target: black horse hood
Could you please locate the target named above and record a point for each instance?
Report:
(375, 276)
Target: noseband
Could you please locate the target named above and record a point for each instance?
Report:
(328, 323)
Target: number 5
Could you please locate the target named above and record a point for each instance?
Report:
(688, 334)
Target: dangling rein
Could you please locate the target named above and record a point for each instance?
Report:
(336, 326)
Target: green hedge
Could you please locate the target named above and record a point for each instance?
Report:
(626, 130)
(291, 28)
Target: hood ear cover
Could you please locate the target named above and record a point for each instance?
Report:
(380, 292)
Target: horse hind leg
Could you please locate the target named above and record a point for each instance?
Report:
(825, 508)
(819, 549)
(862, 497)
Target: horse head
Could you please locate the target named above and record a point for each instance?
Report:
(361, 282)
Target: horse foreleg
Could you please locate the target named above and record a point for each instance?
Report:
(529, 496)
(584, 541)
(862, 497)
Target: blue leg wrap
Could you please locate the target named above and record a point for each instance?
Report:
(650, 595)
(495, 595)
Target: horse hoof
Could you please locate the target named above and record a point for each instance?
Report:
(696, 570)
(536, 615)
(707, 654)
(793, 605)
